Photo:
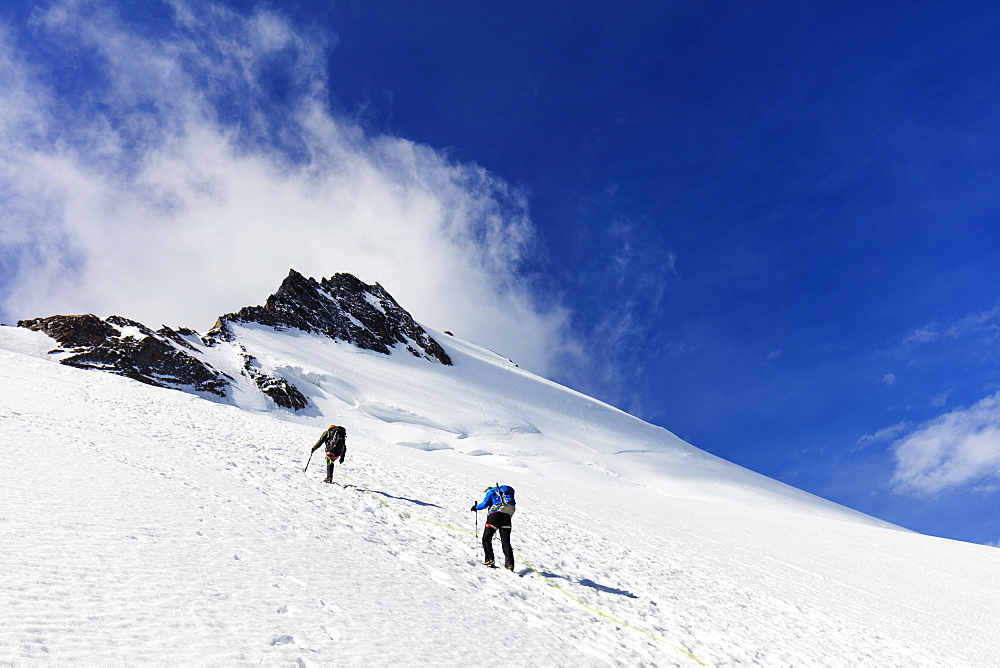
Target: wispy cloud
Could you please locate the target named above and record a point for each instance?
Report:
(960, 448)
(940, 400)
(889, 379)
(982, 323)
(195, 167)
(920, 336)
(985, 324)
(884, 435)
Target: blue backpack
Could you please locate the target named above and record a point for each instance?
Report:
(503, 500)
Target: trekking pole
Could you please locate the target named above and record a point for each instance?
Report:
(477, 528)
(307, 461)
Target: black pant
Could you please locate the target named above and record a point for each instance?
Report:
(498, 522)
(330, 459)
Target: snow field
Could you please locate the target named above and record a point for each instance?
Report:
(146, 526)
(181, 539)
(144, 557)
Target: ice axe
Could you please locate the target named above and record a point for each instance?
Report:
(309, 460)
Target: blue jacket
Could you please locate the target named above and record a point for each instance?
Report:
(498, 499)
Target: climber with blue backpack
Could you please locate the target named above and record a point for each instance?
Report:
(499, 500)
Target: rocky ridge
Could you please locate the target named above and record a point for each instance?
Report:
(342, 308)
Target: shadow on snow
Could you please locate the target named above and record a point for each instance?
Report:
(390, 496)
(593, 585)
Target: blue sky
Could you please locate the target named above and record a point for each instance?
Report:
(769, 227)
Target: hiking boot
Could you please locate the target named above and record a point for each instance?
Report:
(509, 565)
(489, 562)
(330, 480)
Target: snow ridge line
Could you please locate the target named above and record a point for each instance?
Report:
(525, 562)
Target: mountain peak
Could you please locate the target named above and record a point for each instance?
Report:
(341, 307)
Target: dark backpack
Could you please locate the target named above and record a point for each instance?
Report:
(339, 441)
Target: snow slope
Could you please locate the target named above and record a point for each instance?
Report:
(140, 525)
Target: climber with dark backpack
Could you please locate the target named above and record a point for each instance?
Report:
(335, 440)
(500, 502)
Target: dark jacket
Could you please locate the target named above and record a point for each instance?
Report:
(335, 440)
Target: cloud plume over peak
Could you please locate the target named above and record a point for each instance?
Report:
(176, 176)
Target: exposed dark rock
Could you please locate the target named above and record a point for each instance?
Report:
(72, 331)
(282, 392)
(150, 358)
(118, 321)
(177, 336)
(342, 308)
(278, 389)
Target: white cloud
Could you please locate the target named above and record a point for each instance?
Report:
(176, 190)
(940, 400)
(921, 336)
(889, 379)
(672, 262)
(957, 449)
(984, 323)
(885, 435)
